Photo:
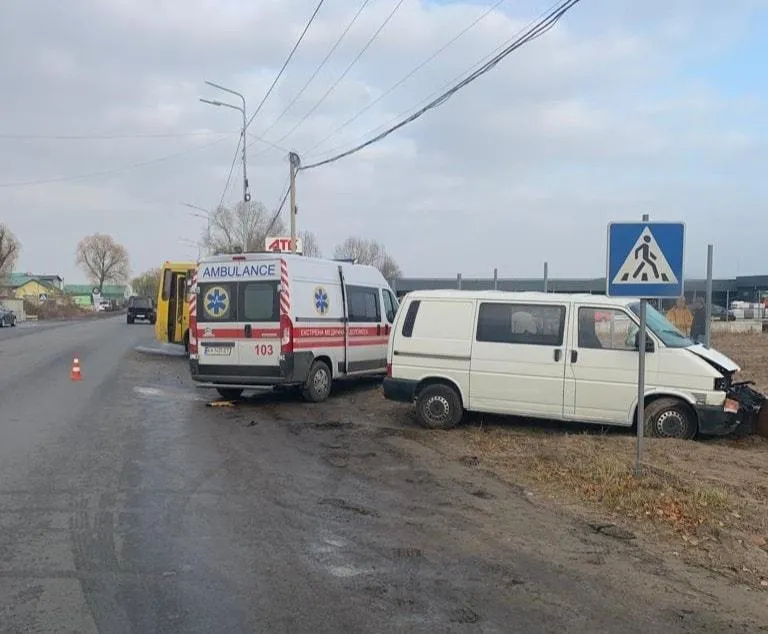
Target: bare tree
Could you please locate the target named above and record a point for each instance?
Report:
(369, 252)
(147, 283)
(9, 250)
(243, 227)
(103, 260)
(309, 244)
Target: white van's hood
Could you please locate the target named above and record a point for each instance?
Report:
(715, 357)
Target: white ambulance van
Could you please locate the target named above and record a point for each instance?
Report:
(272, 319)
(557, 356)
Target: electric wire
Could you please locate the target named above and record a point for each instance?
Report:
(344, 74)
(285, 64)
(231, 170)
(105, 137)
(406, 77)
(279, 209)
(320, 66)
(437, 91)
(115, 170)
(541, 27)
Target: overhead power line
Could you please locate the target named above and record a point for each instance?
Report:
(346, 71)
(415, 70)
(279, 208)
(434, 93)
(106, 137)
(538, 29)
(285, 64)
(320, 66)
(116, 170)
(231, 170)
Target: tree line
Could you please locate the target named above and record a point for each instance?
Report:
(243, 227)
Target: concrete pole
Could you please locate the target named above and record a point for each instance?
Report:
(295, 163)
(458, 281)
(546, 277)
(495, 279)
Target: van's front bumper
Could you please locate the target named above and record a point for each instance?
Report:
(715, 421)
(400, 390)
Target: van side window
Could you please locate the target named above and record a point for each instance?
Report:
(529, 324)
(363, 304)
(390, 305)
(606, 329)
(410, 318)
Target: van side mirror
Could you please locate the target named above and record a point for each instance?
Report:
(649, 347)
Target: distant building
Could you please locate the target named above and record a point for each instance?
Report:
(82, 294)
(31, 287)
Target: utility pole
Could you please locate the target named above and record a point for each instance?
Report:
(242, 110)
(295, 165)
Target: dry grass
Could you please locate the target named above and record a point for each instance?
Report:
(599, 469)
(706, 498)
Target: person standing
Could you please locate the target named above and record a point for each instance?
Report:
(699, 327)
(680, 317)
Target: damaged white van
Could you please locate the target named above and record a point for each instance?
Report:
(557, 356)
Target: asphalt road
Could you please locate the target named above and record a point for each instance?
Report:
(128, 506)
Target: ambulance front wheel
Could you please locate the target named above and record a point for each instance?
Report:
(318, 385)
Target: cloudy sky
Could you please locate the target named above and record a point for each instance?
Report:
(624, 108)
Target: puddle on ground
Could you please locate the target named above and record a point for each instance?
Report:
(166, 394)
(163, 350)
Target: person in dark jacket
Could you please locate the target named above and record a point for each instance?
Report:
(699, 326)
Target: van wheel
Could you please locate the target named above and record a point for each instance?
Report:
(318, 385)
(229, 393)
(670, 418)
(439, 407)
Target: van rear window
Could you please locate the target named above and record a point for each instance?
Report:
(528, 324)
(238, 302)
(410, 318)
(258, 301)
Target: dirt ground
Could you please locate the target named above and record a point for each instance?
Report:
(704, 502)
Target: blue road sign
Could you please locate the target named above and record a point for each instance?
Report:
(645, 259)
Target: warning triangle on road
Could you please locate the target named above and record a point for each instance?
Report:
(645, 263)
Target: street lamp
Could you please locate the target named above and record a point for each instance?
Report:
(242, 110)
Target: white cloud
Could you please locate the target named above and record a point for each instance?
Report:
(599, 119)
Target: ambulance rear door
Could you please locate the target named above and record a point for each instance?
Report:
(258, 309)
(216, 319)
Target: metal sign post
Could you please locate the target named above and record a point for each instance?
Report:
(641, 385)
(645, 260)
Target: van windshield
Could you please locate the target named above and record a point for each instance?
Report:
(661, 327)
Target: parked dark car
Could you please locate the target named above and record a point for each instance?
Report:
(141, 308)
(721, 314)
(7, 317)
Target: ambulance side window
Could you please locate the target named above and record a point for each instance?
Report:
(363, 304)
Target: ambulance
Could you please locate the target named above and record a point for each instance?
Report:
(282, 319)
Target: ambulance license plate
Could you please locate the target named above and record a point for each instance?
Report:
(217, 351)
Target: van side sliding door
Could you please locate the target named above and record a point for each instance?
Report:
(518, 359)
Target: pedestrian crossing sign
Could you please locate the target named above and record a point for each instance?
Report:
(645, 259)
